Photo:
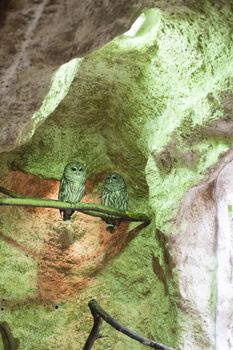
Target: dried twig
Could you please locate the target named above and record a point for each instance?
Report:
(98, 313)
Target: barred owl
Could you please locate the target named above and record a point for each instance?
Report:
(72, 187)
(114, 195)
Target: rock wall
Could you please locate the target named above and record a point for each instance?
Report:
(154, 104)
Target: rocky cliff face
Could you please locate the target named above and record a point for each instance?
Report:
(155, 104)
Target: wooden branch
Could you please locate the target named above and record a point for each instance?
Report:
(17, 195)
(12, 194)
(94, 331)
(8, 340)
(98, 313)
(87, 208)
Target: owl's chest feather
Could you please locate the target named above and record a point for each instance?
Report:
(74, 191)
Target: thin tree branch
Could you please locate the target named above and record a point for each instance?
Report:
(98, 312)
(12, 194)
(8, 340)
(94, 331)
(86, 208)
(97, 214)
(17, 195)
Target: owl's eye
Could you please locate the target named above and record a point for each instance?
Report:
(114, 177)
(73, 168)
(80, 169)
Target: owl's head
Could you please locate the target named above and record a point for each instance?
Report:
(75, 171)
(115, 180)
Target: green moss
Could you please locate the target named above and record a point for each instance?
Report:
(18, 276)
(137, 296)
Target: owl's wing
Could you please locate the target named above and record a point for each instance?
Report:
(106, 197)
(122, 200)
(80, 192)
(62, 190)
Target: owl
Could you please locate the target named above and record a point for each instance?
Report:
(114, 195)
(72, 187)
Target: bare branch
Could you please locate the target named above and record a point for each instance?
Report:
(8, 340)
(94, 331)
(12, 194)
(98, 312)
(86, 208)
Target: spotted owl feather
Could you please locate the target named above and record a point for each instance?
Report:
(72, 187)
(114, 195)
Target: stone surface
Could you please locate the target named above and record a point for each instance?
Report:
(224, 199)
(37, 37)
(154, 104)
